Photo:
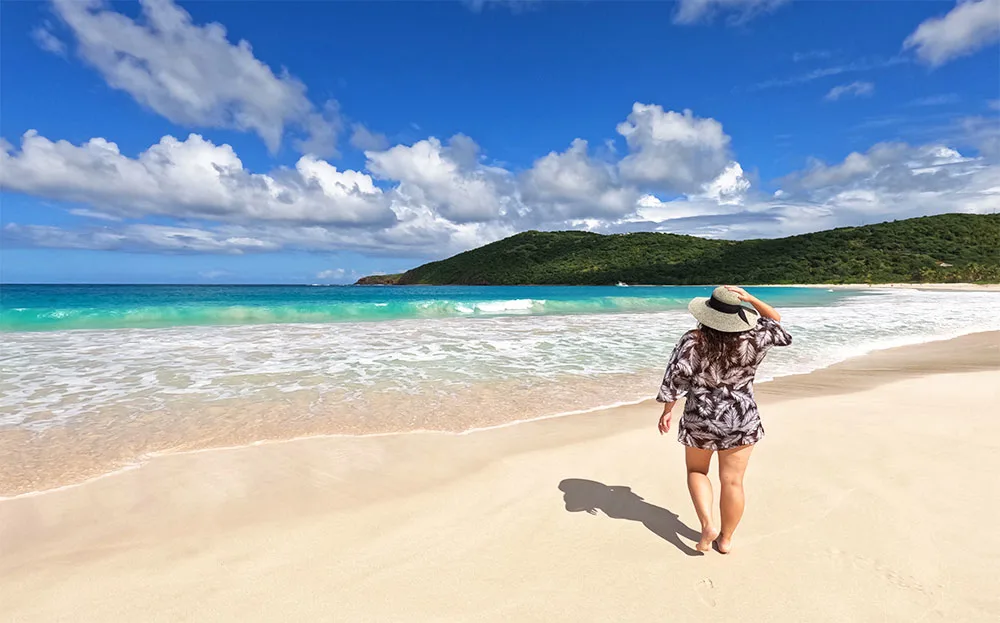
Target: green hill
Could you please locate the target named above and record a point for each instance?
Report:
(944, 248)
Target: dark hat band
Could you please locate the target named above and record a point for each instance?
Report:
(726, 308)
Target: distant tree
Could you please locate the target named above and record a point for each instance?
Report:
(948, 247)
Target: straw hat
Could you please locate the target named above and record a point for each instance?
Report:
(723, 312)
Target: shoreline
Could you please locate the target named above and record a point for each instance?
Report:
(926, 287)
(901, 285)
(372, 529)
(762, 389)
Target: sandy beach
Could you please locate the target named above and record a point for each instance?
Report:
(866, 502)
(928, 287)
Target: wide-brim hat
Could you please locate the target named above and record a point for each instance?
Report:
(723, 312)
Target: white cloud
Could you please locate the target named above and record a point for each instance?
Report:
(886, 167)
(890, 181)
(189, 179)
(854, 89)
(332, 274)
(730, 188)
(983, 133)
(671, 151)
(896, 180)
(192, 75)
(693, 11)
(214, 274)
(967, 28)
(434, 198)
(571, 185)
(47, 41)
(857, 66)
(417, 234)
(139, 237)
(994, 104)
(364, 139)
(942, 99)
(446, 179)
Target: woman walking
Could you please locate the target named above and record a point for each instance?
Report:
(714, 366)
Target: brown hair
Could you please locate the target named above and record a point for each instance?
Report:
(715, 345)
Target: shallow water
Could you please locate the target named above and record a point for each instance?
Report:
(86, 400)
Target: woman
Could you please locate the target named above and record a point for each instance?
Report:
(714, 365)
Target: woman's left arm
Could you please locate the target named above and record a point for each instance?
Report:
(666, 417)
(675, 379)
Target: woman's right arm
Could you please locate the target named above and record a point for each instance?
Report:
(765, 310)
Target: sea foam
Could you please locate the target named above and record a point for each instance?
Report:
(56, 377)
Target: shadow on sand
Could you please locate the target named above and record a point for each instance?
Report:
(622, 503)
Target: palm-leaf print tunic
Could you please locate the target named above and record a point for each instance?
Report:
(721, 412)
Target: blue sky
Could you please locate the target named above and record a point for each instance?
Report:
(225, 142)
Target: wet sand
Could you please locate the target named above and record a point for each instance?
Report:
(866, 501)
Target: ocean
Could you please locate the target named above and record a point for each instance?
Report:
(94, 378)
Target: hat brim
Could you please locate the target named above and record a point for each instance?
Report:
(714, 319)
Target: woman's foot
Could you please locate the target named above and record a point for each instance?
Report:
(724, 544)
(708, 534)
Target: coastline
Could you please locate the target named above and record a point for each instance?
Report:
(335, 522)
(76, 473)
(939, 287)
(936, 287)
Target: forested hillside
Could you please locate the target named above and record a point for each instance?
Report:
(944, 248)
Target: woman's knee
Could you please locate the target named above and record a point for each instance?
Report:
(733, 465)
(731, 480)
(698, 461)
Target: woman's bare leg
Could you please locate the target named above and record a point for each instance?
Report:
(698, 462)
(732, 466)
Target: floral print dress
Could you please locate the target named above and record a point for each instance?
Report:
(721, 412)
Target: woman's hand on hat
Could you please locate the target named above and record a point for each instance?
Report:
(742, 294)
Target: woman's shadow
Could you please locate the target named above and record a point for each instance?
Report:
(621, 503)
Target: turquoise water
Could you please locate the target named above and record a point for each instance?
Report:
(96, 377)
(59, 307)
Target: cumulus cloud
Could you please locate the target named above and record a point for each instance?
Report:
(447, 179)
(854, 89)
(967, 28)
(729, 188)
(672, 151)
(571, 185)
(889, 181)
(694, 11)
(193, 75)
(193, 178)
(435, 198)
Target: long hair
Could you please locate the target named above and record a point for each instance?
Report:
(718, 346)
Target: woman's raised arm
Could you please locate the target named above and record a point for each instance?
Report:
(765, 310)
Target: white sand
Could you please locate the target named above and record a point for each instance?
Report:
(946, 287)
(876, 505)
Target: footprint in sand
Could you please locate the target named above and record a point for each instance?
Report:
(704, 589)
